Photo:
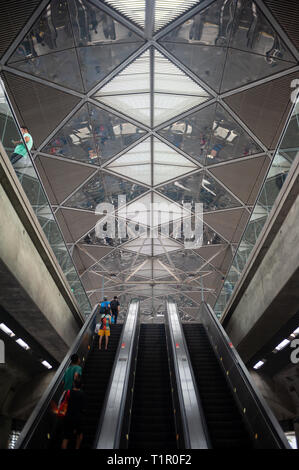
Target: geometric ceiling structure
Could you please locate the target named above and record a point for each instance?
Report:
(138, 163)
(142, 114)
(152, 77)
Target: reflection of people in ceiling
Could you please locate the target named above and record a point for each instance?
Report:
(43, 33)
(197, 27)
(225, 22)
(275, 52)
(60, 18)
(82, 20)
(108, 27)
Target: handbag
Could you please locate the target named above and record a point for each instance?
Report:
(64, 404)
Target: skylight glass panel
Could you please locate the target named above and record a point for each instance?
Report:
(166, 106)
(138, 106)
(136, 163)
(168, 163)
(170, 79)
(134, 78)
(129, 91)
(134, 10)
(175, 92)
(166, 11)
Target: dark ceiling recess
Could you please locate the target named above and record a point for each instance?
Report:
(286, 13)
(41, 107)
(34, 355)
(277, 361)
(13, 18)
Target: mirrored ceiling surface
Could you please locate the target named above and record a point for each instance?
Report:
(163, 109)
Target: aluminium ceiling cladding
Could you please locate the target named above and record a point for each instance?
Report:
(152, 107)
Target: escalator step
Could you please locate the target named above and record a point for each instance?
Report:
(224, 422)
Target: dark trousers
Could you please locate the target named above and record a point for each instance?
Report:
(15, 157)
(114, 314)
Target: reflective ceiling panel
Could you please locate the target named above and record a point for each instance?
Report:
(103, 187)
(150, 106)
(87, 41)
(229, 44)
(166, 12)
(201, 188)
(50, 68)
(93, 135)
(211, 135)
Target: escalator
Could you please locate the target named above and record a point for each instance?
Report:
(224, 422)
(44, 429)
(95, 380)
(152, 418)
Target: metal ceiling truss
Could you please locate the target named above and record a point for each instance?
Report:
(151, 42)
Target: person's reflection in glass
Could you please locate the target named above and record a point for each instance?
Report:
(82, 22)
(60, 18)
(275, 52)
(43, 33)
(253, 32)
(226, 20)
(108, 27)
(197, 27)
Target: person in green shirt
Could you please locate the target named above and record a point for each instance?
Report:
(72, 373)
(21, 149)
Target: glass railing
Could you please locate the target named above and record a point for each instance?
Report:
(28, 177)
(278, 171)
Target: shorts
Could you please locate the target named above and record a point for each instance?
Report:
(72, 427)
(104, 333)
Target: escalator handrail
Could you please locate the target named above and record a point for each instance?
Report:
(196, 433)
(109, 428)
(260, 402)
(44, 402)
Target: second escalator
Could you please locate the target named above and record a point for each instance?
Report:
(152, 418)
(225, 425)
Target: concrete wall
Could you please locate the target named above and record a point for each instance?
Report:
(272, 297)
(33, 288)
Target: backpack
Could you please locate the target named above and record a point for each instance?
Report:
(114, 305)
(103, 322)
(104, 309)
